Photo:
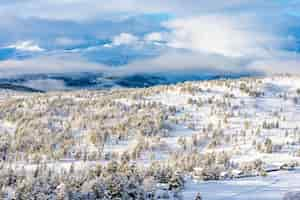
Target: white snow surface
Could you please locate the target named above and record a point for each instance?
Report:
(273, 187)
(253, 110)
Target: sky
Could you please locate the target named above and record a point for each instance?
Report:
(142, 36)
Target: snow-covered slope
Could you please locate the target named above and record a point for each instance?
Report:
(229, 139)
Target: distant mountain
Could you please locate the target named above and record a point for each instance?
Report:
(87, 80)
(18, 88)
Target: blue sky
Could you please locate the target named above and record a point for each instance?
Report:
(139, 36)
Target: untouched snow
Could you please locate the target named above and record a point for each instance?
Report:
(272, 187)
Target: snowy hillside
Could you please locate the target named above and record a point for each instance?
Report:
(222, 139)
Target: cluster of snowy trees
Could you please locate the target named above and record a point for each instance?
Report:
(56, 126)
(115, 181)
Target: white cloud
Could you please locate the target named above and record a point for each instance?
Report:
(232, 40)
(233, 36)
(184, 62)
(289, 64)
(49, 64)
(197, 63)
(68, 9)
(173, 61)
(123, 39)
(46, 84)
(65, 41)
(26, 46)
(169, 61)
(154, 37)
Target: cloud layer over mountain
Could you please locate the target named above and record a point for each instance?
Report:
(137, 36)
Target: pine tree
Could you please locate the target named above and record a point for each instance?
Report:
(61, 192)
(23, 190)
(198, 197)
(114, 188)
(268, 146)
(176, 182)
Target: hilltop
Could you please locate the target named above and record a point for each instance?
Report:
(176, 137)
